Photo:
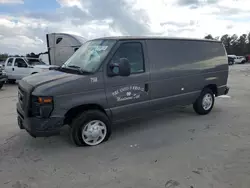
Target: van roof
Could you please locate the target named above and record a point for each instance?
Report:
(155, 38)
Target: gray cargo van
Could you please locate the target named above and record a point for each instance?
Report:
(117, 78)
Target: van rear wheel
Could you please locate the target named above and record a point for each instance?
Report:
(205, 102)
(90, 128)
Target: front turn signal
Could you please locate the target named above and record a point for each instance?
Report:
(45, 100)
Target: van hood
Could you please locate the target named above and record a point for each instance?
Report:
(56, 83)
(47, 77)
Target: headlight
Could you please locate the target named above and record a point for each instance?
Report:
(41, 106)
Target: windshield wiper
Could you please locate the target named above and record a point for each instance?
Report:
(79, 69)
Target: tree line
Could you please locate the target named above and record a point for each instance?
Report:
(234, 44)
(4, 56)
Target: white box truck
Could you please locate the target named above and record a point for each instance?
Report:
(62, 46)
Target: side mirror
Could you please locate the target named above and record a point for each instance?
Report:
(123, 68)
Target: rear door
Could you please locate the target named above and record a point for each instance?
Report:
(129, 96)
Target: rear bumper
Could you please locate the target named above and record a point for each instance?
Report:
(226, 91)
(223, 90)
(39, 127)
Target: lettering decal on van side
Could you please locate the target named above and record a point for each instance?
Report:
(128, 93)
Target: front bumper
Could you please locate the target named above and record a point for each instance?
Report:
(38, 127)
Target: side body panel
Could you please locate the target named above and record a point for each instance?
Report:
(180, 69)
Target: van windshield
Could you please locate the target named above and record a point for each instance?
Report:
(89, 57)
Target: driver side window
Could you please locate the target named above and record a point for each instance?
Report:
(20, 63)
(134, 53)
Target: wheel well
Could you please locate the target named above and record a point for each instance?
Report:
(213, 87)
(75, 111)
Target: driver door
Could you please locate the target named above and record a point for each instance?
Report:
(129, 96)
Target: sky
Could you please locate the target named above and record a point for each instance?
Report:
(24, 23)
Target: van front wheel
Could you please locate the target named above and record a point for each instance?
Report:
(205, 102)
(90, 128)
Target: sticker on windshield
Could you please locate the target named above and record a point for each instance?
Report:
(100, 48)
(93, 80)
(128, 93)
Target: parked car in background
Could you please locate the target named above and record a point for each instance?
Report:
(3, 77)
(231, 60)
(2, 64)
(117, 78)
(238, 59)
(247, 58)
(19, 67)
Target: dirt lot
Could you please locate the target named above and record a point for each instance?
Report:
(174, 149)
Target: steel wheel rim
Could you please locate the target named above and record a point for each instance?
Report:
(94, 132)
(207, 101)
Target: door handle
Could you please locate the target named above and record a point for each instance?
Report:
(13, 69)
(146, 87)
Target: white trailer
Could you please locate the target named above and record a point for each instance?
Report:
(62, 46)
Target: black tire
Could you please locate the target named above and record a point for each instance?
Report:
(82, 120)
(11, 81)
(198, 107)
(1, 85)
(243, 62)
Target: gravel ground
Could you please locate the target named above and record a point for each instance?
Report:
(174, 149)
